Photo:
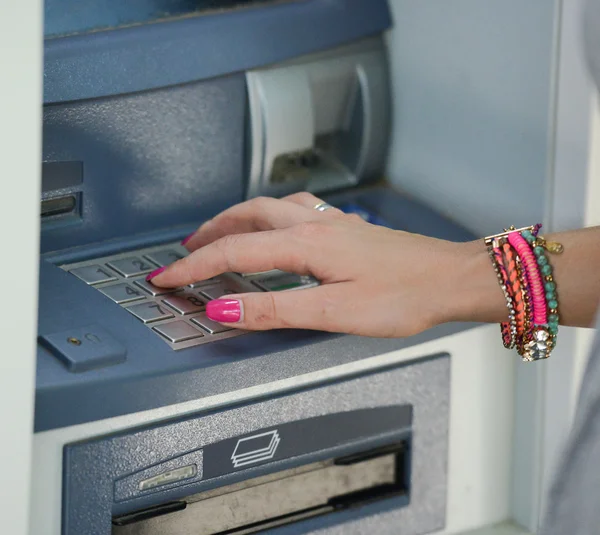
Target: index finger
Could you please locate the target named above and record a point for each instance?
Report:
(241, 253)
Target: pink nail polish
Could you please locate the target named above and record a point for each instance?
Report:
(224, 310)
(155, 273)
(187, 239)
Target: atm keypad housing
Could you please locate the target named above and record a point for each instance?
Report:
(176, 315)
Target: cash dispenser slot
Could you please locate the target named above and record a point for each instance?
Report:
(279, 498)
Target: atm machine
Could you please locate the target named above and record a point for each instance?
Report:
(151, 419)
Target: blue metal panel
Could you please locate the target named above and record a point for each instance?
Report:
(64, 17)
(150, 160)
(403, 213)
(198, 47)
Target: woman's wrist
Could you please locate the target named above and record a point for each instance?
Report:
(475, 295)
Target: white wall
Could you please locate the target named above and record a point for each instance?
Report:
(472, 87)
(496, 123)
(549, 394)
(20, 146)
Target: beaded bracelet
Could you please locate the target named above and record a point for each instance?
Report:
(527, 335)
(515, 281)
(532, 274)
(525, 277)
(540, 246)
(508, 329)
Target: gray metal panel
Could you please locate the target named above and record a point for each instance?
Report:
(150, 160)
(473, 88)
(142, 57)
(92, 467)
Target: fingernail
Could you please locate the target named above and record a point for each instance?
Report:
(185, 240)
(155, 273)
(224, 310)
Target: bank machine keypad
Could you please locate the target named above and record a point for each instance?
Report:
(176, 315)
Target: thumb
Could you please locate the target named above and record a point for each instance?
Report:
(315, 308)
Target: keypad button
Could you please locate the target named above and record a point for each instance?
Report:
(153, 290)
(164, 257)
(185, 303)
(208, 282)
(215, 292)
(285, 281)
(149, 312)
(131, 267)
(122, 293)
(178, 331)
(95, 274)
(209, 325)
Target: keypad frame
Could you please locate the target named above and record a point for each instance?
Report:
(241, 283)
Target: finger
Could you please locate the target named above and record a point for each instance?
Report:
(259, 214)
(241, 253)
(318, 308)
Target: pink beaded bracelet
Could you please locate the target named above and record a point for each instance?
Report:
(533, 275)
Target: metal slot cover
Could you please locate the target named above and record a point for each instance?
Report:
(278, 499)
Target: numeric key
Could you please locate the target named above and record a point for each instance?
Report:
(131, 267)
(150, 312)
(178, 331)
(164, 257)
(95, 274)
(154, 290)
(208, 325)
(216, 292)
(186, 303)
(122, 293)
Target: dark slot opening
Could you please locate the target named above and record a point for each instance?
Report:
(58, 206)
(151, 512)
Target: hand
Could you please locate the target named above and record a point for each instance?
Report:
(375, 281)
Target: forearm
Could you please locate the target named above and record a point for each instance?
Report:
(576, 271)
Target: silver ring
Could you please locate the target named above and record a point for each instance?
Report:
(322, 206)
